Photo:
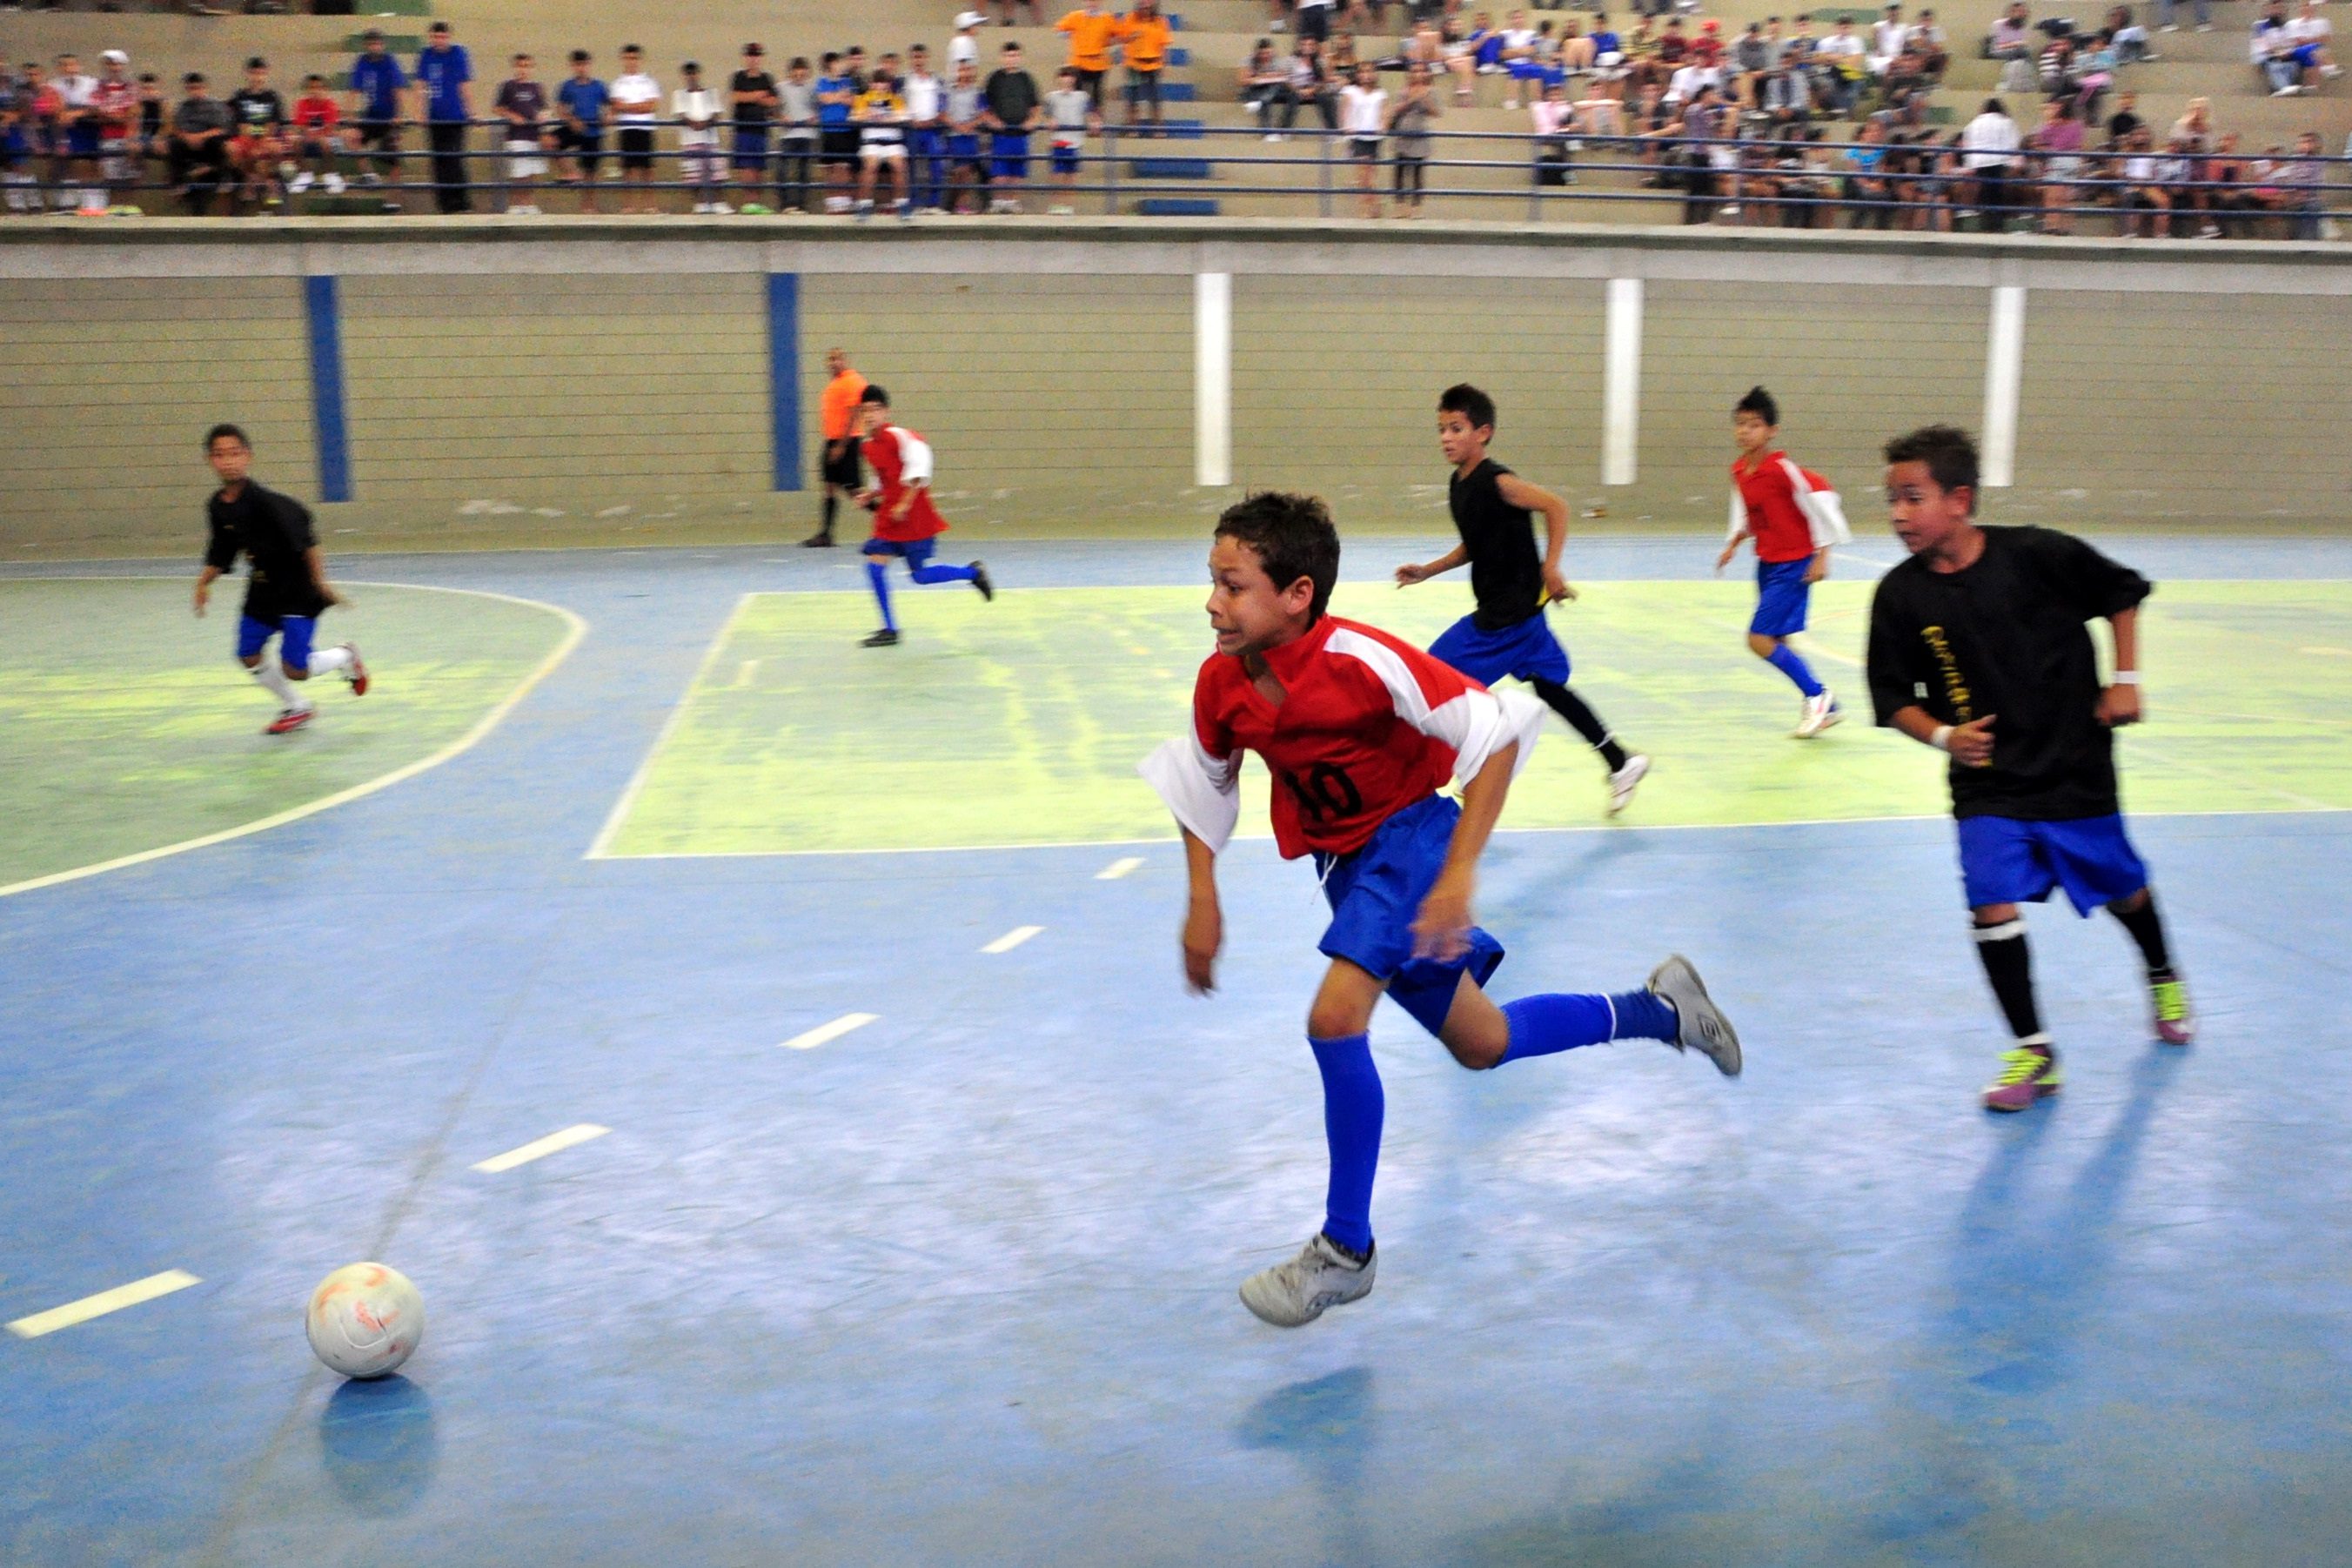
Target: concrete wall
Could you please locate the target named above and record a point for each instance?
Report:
(565, 382)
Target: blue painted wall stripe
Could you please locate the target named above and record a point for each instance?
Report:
(785, 375)
(327, 389)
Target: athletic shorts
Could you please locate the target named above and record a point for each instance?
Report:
(1009, 155)
(524, 161)
(587, 146)
(1364, 149)
(293, 632)
(1375, 893)
(838, 144)
(636, 147)
(843, 470)
(914, 553)
(964, 152)
(1065, 160)
(2004, 860)
(82, 140)
(1527, 651)
(1782, 595)
(751, 146)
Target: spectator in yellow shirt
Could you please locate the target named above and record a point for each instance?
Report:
(1144, 37)
(1092, 32)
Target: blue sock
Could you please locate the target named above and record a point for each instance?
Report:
(928, 574)
(1784, 659)
(1542, 1024)
(877, 573)
(1353, 1107)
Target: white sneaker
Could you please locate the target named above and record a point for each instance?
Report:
(1621, 783)
(336, 184)
(2288, 91)
(1820, 712)
(1062, 212)
(1298, 1292)
(2331, 72)
(1702, 1025)
(302, 182)
(2169, 28)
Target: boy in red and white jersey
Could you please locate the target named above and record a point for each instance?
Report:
(1795, 517)
(1361, 729)
(906, 523)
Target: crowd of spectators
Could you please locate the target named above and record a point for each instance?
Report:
(1735, 128)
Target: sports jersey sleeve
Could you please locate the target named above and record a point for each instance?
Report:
(1892, 667)
(1825, 513)
(1199, 774)
(914, 457)
(220, 548)
(1738, 530)
(294, 521)
(2094, 586)
(1444, 704)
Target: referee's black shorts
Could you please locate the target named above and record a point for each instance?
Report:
(841, 470)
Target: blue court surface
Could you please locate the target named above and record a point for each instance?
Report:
(957, 1284)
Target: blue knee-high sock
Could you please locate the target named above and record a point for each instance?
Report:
(1542, 1024)
(877, 573)
(1352, 1108)
(1784, 658)
(928, 573)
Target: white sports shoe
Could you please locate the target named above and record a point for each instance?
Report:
(1298, 1292)
(1623, 782)
(302, 182)
(1704, 1027)
(1820, 712)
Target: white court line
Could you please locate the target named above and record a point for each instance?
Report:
(105, 1302)
(540, 1148)
(462, 744)
(623, 807)
(746, 672)
(825, 1033)
(1012, 939)
(1118, 868)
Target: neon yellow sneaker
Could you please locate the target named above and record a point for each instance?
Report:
(2027, 1073)
(2169, 999)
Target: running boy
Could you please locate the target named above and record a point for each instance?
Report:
(1795, 517)
(286, 587)
(1977, 648)
(1507, 634)
(1361, 729)
(906, 523)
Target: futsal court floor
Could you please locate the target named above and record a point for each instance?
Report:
(873, 1194)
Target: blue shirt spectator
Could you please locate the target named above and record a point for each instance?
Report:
(377, 80)
(832, 114)
(443, 72)
(584, 99)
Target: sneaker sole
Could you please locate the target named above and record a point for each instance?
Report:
(1315, 1308)
(2042, 1091)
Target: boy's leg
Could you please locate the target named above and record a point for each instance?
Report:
(1583, 720)
(252, 642)
(1775, 652)
(1674, 1007)
(2002, 866)
(876, 572)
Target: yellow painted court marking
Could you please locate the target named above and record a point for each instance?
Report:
(540, 1148)
(746, 672)
(824, 1033)
(1118, 868)
(577, 628)
(2331, 652)
(1012, 939)
(621, 807)
(105, 1302)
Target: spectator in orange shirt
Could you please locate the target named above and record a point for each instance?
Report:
(837, 420)
(1092, 32)
(1144, 37)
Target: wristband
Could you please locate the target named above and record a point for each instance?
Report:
(1942, 739)
(2124, 678)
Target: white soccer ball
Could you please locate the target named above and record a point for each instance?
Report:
(365, 1319)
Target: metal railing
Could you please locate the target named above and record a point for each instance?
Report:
(1791, 181)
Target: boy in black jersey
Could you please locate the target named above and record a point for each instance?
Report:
(1978, 648)
(259, 144)
(286, 587)
(1507, 635)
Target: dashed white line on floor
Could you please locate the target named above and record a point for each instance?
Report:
(1118, 868)
(824, 1034)
(105, 1302)
(540, 1148)
(1012, 939)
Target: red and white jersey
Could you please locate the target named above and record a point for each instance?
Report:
(900, 458)
(1369, 725)
(1792, 511)
(118, 105)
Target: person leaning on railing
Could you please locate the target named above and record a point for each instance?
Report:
(2299, 180)
(1410, 119)
(443, 71)
(198, 148)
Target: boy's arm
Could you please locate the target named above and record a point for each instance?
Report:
(1202, 789)
(1516, 492)
(2119, 700)
(1204, 922)
(1441, 930)
(1412, 573)
(317, 562)
(1735, 530)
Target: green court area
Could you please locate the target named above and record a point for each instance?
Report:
(1020, 722)
(130, 727)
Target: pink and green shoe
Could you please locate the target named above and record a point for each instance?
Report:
(2027, 1074)
(2168, 1000)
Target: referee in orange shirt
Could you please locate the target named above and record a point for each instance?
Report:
(837, 418)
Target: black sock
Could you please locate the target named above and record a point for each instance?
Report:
(831, 503)
(2009, 967)
(1581, 720)
(2147, 930)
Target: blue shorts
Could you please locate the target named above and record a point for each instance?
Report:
(1065, 160)
(82, 140)
(1527, 651)
(751, 146)
(913, 551)
(1011, 151)
(1375, 893)
(1781, 592)
(2006, 861)
(294, 634)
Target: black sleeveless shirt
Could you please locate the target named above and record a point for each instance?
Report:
(1505, 568)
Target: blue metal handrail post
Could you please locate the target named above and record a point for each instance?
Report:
(1110, 170)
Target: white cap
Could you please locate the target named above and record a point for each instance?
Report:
(970, 19)
(115, 57)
